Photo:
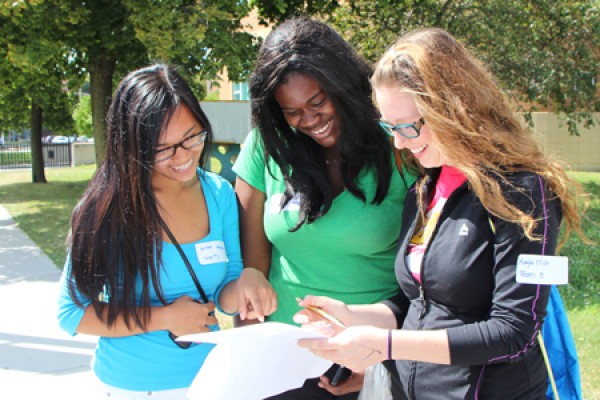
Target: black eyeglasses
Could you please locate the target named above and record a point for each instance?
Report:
(409, 131)
(188, 143)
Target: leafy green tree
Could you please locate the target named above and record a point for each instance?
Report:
(97, 36)
(32, 91)
(201, 37)
(544, 52)
(107, 38)
(275, 11)
(82, 115)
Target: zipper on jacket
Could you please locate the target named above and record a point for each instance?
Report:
(423, 303)
(413, 366)
(422, 300)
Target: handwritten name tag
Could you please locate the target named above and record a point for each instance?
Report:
(211, 252)
(542, 270)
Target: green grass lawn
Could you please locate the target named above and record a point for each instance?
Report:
(43, 212)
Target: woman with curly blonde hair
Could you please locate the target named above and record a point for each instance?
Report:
(463, 326)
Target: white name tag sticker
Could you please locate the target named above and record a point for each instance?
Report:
(211, 252)
(293, 204)
(542, 270)
(275, 204)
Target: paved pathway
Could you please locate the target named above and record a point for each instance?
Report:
(37, 359)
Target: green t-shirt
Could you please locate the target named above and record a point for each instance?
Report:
(348, 254)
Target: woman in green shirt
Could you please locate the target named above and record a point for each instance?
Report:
(320, 194)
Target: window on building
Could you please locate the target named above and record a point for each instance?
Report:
(240, 91)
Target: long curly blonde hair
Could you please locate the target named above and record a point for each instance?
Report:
(473, 123)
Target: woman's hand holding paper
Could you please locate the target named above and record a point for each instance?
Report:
(356, 347)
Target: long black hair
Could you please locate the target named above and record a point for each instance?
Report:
(116, 227)
(310, 47)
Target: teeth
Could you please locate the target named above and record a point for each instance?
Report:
(418, 149)
(184, 166)
(322, 130)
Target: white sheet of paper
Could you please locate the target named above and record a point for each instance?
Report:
(254, 362)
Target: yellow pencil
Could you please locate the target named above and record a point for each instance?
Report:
(326, 315)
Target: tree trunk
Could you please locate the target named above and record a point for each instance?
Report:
(101, 74)
(37, 158)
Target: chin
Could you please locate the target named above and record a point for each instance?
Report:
(328, 141)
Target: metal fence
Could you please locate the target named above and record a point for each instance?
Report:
(17, 155)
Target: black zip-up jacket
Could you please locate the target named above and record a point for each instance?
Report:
(468, 287)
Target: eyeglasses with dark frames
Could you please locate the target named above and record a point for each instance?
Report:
(188, 143)
(410, 131)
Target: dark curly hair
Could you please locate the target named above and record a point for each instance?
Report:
(310, 47)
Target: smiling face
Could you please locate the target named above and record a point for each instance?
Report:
(308, 109)
(182, 166)
(399, 107)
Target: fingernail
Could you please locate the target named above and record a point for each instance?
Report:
(301, 319)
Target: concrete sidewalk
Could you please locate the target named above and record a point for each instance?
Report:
(37, 359)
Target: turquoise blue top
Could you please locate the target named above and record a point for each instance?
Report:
(151, 361)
